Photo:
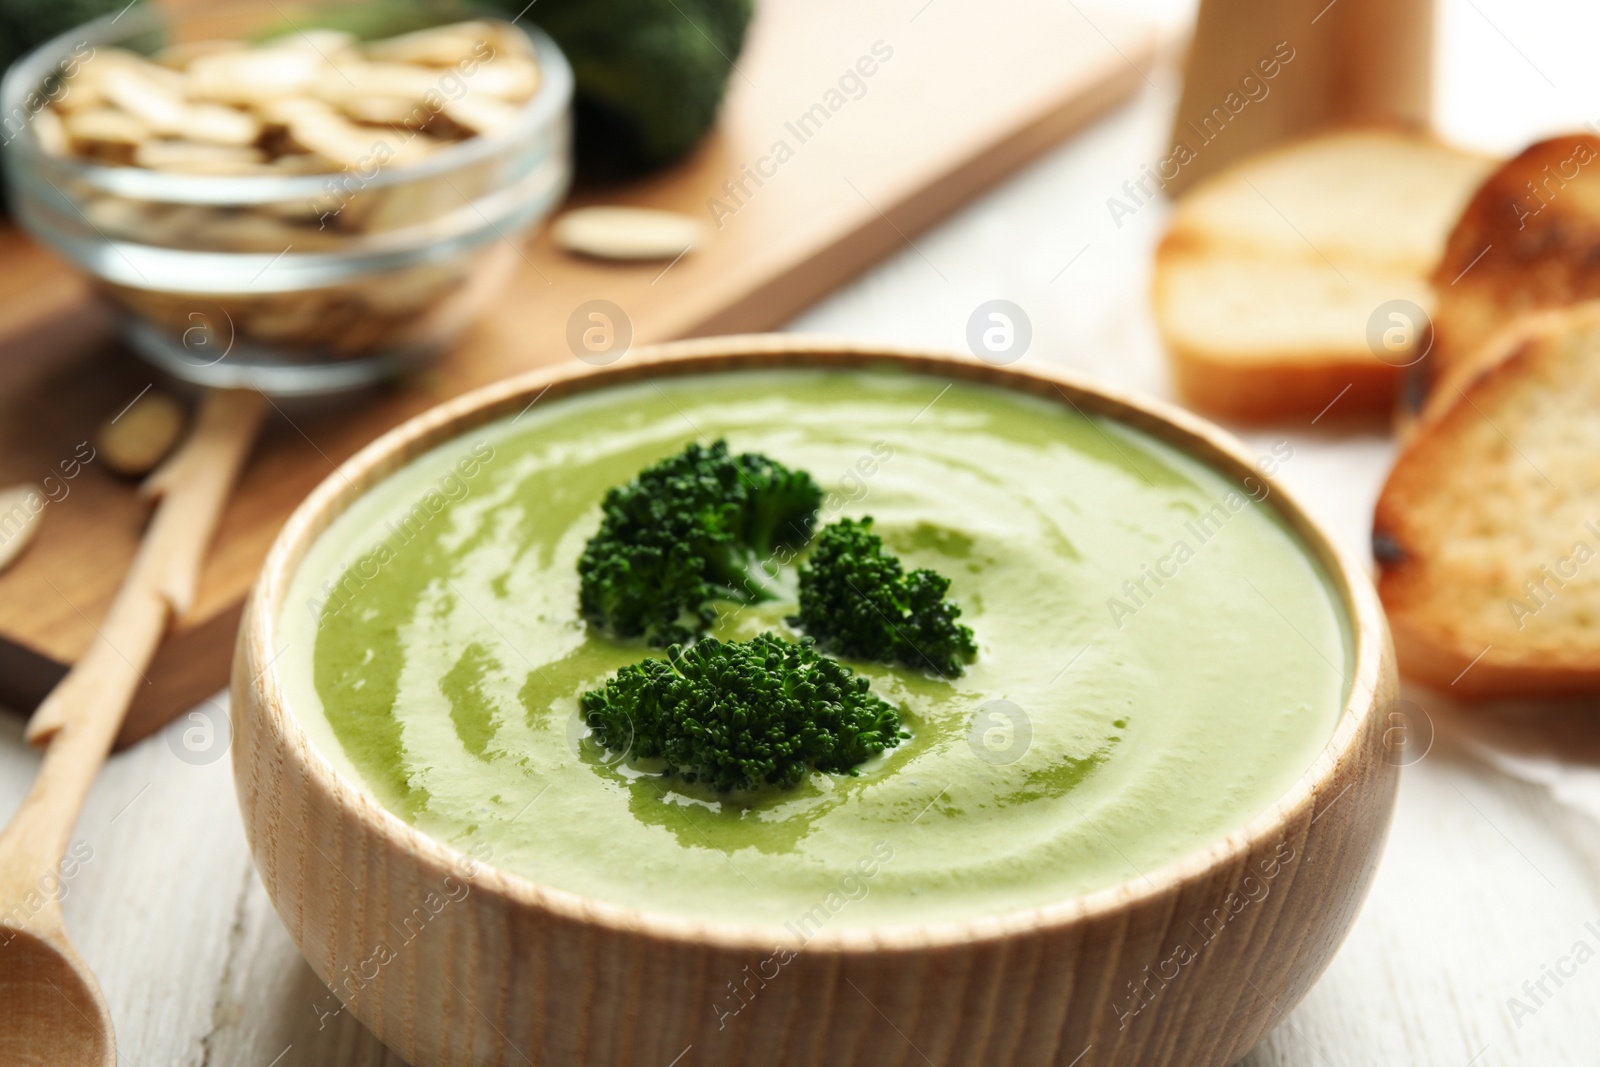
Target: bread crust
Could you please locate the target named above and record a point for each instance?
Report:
(1528, 239)
(1332, 386)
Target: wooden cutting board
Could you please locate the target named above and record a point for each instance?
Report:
(812, 176)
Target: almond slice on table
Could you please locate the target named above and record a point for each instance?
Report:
(21, 507)
(136, 440)
(626, 233)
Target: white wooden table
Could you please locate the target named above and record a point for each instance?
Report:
(1492, 871)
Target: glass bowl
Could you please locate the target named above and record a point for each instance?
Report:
(293, 283)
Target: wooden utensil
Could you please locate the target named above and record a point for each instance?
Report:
(54, 1012)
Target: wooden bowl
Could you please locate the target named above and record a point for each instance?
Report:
(1190, 965)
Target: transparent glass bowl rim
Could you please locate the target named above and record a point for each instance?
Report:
(547, 106)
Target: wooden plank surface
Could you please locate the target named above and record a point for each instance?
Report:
(954, 103)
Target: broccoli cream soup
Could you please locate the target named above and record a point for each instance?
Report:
(1159, 657)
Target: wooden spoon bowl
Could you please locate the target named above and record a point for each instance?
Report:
(54, 1013)
(1190, 965)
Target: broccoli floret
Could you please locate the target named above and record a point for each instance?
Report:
(650, 74)
(696, 527)
(740, 714)
(857, 600)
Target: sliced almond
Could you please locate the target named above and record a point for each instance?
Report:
(441, 46)
(158, 106)
(21, 508)
(483, 114)
(50, 133)
(179, 56)
(105, 133)
(361, 147)
(137, 439)
(626, 233)
(384, 110)
(282, 111)
(104, 61)
(511, 78)
(355, 80)
(219, 124)
(254, 76)
(331, 137)
(190, 157)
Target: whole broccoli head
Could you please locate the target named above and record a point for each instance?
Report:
(696, 527)
(857, 600)
(650, 73)
(741, 714)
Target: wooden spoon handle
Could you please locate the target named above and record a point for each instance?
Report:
(80, 718)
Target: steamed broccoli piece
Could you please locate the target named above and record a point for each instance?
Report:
(737, 715)
(696, 527)
(857, 600)
(650, 74)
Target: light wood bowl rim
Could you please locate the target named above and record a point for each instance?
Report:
(1177, 427)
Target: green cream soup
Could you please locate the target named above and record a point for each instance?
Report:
(1160, 657)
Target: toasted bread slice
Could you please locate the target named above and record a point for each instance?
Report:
(1271, 271)
(1528, 239)
(1487, 533)
(1253, 336)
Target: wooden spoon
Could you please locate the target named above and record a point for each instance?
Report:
(54, 1013)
